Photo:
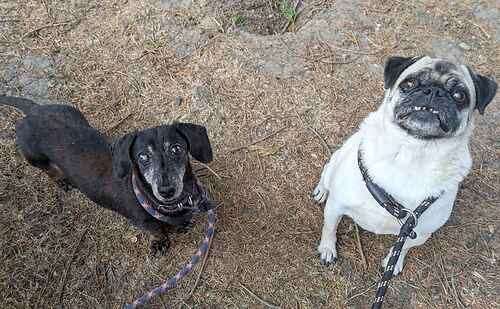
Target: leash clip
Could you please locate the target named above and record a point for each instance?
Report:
(409, 213)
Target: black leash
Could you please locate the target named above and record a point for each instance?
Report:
(397, 210)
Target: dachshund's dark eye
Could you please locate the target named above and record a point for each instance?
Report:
(176, 149)
(458, 95)
(408, 84)
(144, 157)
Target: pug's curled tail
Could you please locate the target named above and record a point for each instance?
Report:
(22, 104)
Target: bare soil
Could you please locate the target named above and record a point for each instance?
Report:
(236, 68)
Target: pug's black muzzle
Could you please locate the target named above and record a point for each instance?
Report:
(427, 112)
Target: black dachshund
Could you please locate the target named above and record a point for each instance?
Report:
(145, 176)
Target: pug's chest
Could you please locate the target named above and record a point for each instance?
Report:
(414, 182)
(374, 218)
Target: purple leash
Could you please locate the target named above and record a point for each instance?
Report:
(184, 271)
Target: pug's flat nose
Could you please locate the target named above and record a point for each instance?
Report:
(434, 91)
(167, 191)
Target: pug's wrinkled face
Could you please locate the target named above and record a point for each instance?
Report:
(433, 98)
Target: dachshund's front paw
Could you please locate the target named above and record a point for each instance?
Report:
(207, 205)
(159, 247)
(185, 227)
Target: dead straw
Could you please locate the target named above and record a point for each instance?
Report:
(265, 303)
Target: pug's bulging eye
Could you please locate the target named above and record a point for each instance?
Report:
(424, 76)
(176, 149)
(459, 96)
(408, 84)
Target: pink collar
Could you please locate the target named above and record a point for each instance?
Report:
(162, 211)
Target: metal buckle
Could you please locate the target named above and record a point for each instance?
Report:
(409, 213)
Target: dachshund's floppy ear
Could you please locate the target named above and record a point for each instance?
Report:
(394, 66)
(485, 87)
(197, 138)
(120, 154)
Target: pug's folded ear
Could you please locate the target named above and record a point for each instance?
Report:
(120, 155)
(485, 87)
(394, 66)
(197, 139)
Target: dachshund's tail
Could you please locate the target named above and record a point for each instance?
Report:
(25, 105)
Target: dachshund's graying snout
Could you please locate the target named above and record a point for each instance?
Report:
(170, 184)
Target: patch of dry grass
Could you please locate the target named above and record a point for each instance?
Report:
(125, 64)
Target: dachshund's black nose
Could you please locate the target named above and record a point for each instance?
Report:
(167, 191)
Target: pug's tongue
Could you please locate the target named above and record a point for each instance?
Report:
(443, 123)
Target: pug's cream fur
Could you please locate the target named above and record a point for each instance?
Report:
(409, 168)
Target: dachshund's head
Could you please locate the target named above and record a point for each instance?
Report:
(160, 155)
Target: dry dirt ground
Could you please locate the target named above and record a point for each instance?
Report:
(240, 69)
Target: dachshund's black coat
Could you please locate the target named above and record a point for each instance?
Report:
(60, 141)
